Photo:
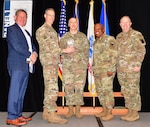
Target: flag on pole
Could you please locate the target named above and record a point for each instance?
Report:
(62, 22)
(76, 13)
(91, 38)
(62, 31)
(104, 18)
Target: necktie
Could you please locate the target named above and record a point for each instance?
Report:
(28, 37)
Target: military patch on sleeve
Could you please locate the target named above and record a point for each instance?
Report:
(112, 46)
(143, 41)
(141, 38)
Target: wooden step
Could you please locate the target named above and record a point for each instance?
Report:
(93, 110)
(88, 94)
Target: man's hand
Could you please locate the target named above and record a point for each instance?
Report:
(136, 69)
(109, 73)
(69, 49)
(33, 57)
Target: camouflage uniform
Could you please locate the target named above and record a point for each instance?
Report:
(74, 67)
(49, 57)
(131, 50)
(104, 60)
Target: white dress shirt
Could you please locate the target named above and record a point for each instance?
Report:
(28, 38)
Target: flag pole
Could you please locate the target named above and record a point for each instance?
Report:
(64, 2)
(90, 63)
(60, 66)
(104, 13)
(76, 13)
(104, 20)
(63, 89)
(77, 1)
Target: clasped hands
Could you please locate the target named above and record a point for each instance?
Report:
(136, 69)
(69, 49)
(109, 73)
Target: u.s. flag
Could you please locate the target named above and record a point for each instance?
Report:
(62, 31)
(62, 22)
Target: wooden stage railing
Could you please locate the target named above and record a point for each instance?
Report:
(87, 94)
(93, 109)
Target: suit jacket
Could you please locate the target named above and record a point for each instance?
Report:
(18, 49)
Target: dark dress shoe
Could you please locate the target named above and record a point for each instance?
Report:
(25, 119)
(15, 122)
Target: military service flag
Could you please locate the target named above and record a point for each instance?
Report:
(76, 13)
(91, 38)
(104, 18)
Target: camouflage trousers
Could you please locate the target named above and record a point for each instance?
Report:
(104, 88)
(50, 74)
(74, 82)
(129, 82)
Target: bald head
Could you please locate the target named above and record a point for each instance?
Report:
(125, 23)
(125, 18)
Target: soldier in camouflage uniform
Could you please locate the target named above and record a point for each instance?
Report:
(104, 68)
(49, 57)
(131, 50)
(74, 67)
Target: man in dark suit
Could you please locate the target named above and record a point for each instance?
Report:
(21, 57)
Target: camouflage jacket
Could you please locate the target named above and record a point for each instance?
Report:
(49, 50)
(131, 50)
(80, 55)
(105, 53)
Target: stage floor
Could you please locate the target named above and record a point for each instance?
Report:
(86, 121)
